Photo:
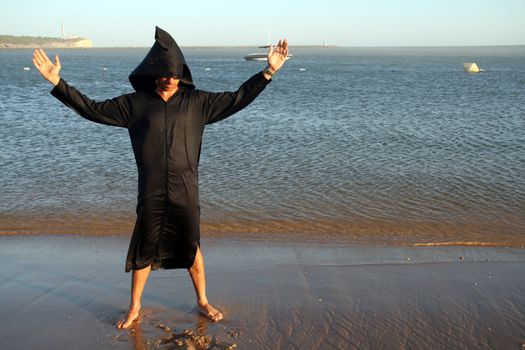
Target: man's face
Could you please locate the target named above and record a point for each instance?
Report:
(167, 83)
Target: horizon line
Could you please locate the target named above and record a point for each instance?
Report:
(315, 46)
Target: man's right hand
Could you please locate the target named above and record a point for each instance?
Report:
(48, 70)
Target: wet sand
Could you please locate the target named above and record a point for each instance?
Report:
(66, 292)
(348, 230)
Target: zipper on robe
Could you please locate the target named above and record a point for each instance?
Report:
(166, 152)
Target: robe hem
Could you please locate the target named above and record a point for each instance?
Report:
(164, 264)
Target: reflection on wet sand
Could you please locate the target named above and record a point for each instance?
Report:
(67, 292)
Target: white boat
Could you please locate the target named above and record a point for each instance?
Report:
(256, 57)
(261, 56)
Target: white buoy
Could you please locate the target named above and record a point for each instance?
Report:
(104, 68)
(302, 69)
(207, 68)
(27, 68)
(472, 67)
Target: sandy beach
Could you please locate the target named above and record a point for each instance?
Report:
(66, 292)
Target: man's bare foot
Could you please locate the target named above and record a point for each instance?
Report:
(210, 312)
(128, 318)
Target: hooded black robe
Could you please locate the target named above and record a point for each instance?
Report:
(166, 139)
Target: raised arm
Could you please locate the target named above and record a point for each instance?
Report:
(114, 112)
(221, 105)
(276, 58)
(48, 70)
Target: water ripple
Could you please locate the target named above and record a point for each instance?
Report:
(366, 141)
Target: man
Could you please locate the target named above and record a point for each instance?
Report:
(165, 118)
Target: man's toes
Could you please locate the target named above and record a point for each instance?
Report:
(126, 321)
(217, 316)
(211, 313)
(124, 324)
(119, 324)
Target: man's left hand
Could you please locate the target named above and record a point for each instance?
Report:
(277, 56)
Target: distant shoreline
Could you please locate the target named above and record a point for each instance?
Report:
(30, 42)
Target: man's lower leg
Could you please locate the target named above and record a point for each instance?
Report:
(198, 278)
(138, 282)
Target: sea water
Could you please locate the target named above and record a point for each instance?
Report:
(362, 142)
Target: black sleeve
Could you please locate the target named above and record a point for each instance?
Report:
(115, 112)
(218, 106)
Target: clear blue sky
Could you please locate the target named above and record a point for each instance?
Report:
(243, 22)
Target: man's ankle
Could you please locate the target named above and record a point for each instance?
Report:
(134, 307)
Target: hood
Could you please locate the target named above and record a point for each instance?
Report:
(164, 59)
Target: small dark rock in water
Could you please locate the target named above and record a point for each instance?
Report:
(202, 341)
(460, 258)
(234, 333)
(164, 327)
(189, 332)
